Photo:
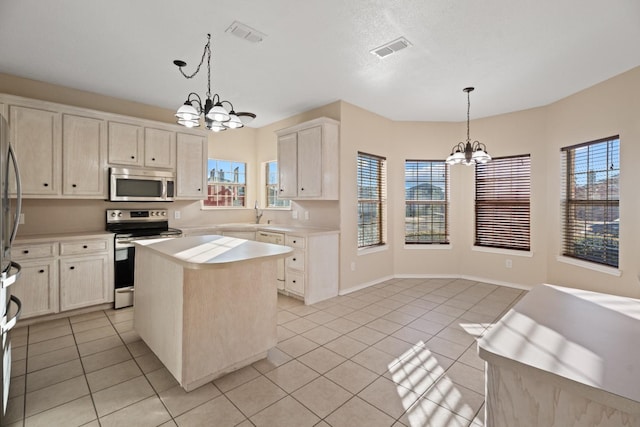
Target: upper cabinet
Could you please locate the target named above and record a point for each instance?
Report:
(191, 167)
(308, 160)
(35, 136)
(83, 156)
(66, 152)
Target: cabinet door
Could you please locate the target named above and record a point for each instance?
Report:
(125, 144)
(159, 148)
(288, 165)
(83, 164)
(294, 283)
(191, 166)
(310, 162)
(83, 281)
(37, 288)
(35, 136)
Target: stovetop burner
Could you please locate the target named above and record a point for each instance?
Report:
(136, 223)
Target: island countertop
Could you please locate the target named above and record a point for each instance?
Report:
(588, 338)
(211, 251)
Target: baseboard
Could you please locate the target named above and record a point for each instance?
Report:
(365, 285)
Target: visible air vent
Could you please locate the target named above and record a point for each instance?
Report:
(391, 47)
(243, 31)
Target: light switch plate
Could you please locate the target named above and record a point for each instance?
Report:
(177, 215)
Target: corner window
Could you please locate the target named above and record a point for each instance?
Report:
(226, 184)
(426, 187)
(272, 190)
(591, 200)
(371, 200)
(503, 192)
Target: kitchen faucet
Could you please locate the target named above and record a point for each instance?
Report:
(258, 212)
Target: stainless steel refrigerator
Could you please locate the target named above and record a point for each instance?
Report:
(10, 306)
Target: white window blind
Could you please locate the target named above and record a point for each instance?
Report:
(426, 186)
(502, 203)
(371, 200)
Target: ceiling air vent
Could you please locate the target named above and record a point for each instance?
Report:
(245, 32)
(391, 47)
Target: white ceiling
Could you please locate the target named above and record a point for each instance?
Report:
(517, 53)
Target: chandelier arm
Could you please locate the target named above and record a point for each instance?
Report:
(222, 102)
(197, 101)
(207, 49)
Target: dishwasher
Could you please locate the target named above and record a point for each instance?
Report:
(275, 239)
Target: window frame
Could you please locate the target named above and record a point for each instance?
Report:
(570, 248)
(507, 208)
(378, 202)
(431, 202)
(238, 186)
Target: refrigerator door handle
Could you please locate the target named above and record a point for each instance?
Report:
(6, 281)
(11, 323)
(16, 169)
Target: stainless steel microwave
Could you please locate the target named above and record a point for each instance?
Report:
(141, 185)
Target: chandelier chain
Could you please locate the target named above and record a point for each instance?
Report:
(468, 109)
(207, 50)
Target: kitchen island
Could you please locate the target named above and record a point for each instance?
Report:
(564, 357)
(206, 305)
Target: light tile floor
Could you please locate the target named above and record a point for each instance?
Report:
(400, 353)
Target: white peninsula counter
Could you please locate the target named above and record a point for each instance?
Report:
(206, 305)
(564, 357)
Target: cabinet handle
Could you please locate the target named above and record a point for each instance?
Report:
(85, 246)
(295, 241)
(26, 251)
(40, 271)
(294, 259)
(133, 157)
(293, 281)
(153, 159)
(281, 189)
(302, 189)
(73, 185)
(46, 184)
(72, 268)
(199, 189)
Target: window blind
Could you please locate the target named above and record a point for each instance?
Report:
(371, 200)
(426, 185)
(503, 192)
(591, 200)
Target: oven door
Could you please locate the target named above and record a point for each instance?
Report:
(124, 267)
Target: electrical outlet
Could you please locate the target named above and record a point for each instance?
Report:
(353, 266)
(508, 263)
(21, 219)
(306, 215)
(294, 214)
(177, 215)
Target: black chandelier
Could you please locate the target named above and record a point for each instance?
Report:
(216, 117)
(469, 153)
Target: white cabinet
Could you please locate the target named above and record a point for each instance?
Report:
(35, 136)
(64, 274)
(191, 165)
(126, 144)
(312, 268)
(84, 172)
(308, 160)
(159, 148)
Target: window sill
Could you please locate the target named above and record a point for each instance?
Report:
(590, 265)
(222, 208)
(510, 252)
(372, 250)
(425, 246)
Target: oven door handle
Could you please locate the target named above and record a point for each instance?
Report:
(125, 290)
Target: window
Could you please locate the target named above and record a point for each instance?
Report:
(271, 178)
(503, 190)
(371, 200)
(426, 188)
(591, 201)
(226, 184)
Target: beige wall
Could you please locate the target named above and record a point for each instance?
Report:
(606, 109)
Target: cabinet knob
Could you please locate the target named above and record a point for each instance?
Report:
(40, 271)
(46, 184)
(281, 189)
(85, 246)
(26, 251)
(153, 159)
(294, 259)
(295, 241)
(302, 189)
(72, 268)
(133, 157)
(199, 189)
(293, 281)
(73, 185)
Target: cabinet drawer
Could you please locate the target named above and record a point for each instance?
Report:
(295, 241)
(294, 282)
(296, 261)
(89, 246)
(40, 250)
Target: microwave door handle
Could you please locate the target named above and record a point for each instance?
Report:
(164, 188)
(16, 218)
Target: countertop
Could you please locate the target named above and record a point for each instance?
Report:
(286, 229)
(586, 337)
(212, 251)
(39, 238)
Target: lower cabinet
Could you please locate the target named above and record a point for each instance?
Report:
(63, 274)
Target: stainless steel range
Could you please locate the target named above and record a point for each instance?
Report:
(129, 225)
